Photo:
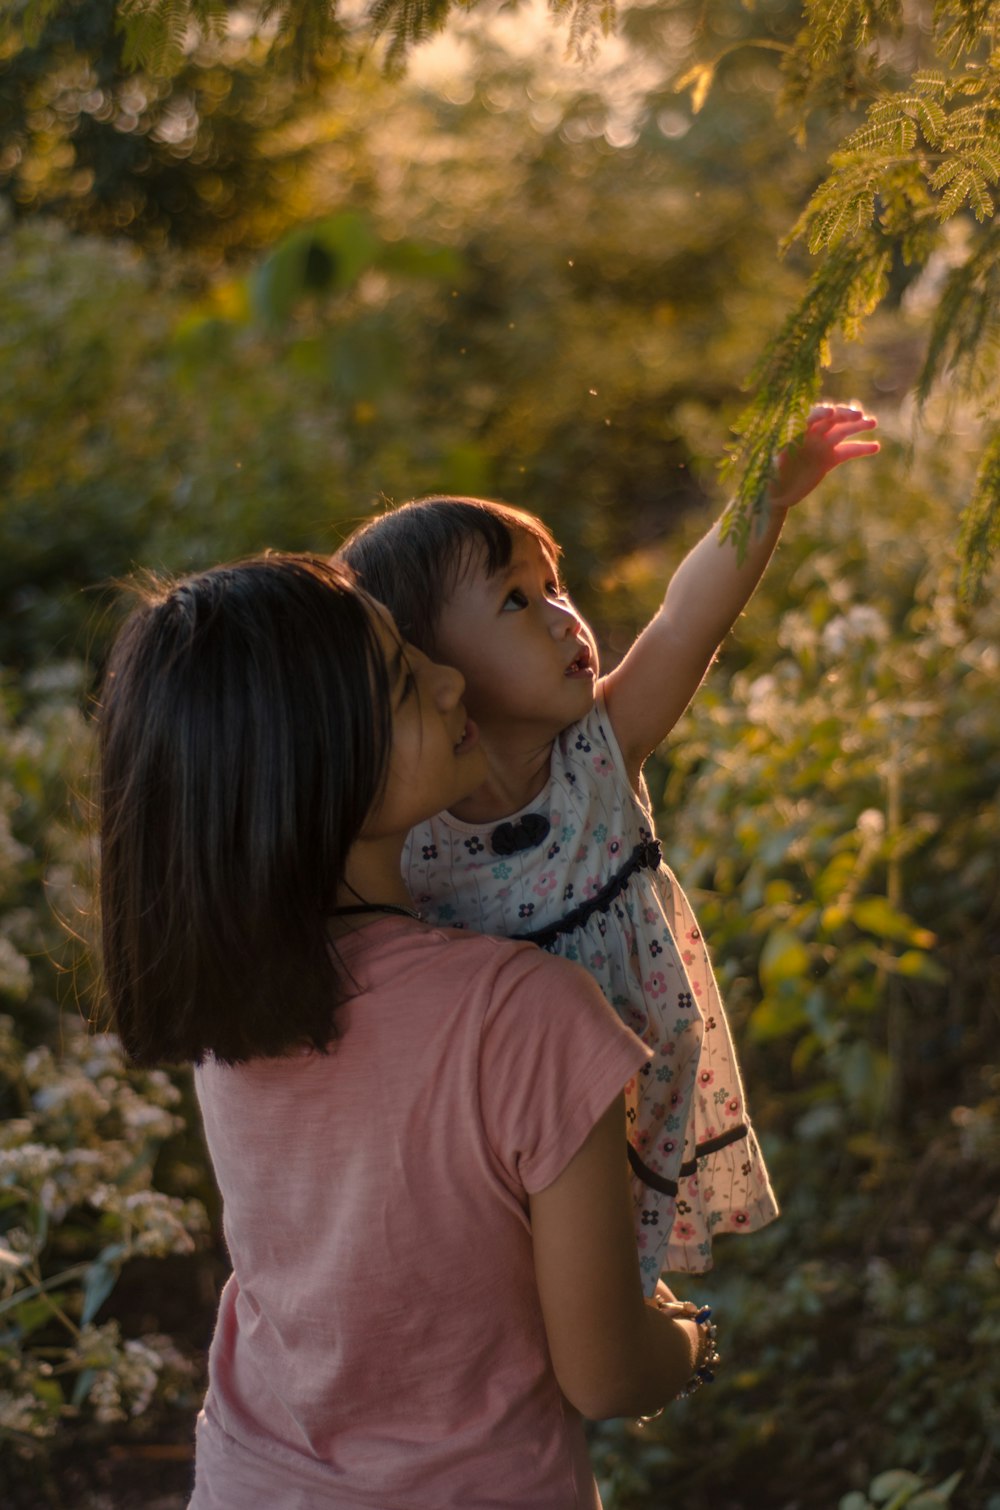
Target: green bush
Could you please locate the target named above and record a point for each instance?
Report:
(831, 800)
(79, 1136)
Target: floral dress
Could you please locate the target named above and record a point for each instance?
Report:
(579, 873)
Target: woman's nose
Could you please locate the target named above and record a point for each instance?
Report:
(449, 685)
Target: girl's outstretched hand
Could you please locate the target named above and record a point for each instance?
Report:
(828, 440)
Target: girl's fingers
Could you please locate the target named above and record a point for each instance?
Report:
(840, 430)
(848, 449)
(825, 418)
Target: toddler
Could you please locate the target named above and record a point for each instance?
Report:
(557, 845)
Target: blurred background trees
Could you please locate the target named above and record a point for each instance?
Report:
(908, 187)
(240, 308)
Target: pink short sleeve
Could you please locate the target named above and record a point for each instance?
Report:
(553, 1057)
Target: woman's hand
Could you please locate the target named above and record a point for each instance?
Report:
(827, 441)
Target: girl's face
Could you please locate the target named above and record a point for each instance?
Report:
(528, 658)
(436, 758)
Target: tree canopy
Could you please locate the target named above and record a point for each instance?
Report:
(912, 92)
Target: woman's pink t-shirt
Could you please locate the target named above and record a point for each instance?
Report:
(380, 1343)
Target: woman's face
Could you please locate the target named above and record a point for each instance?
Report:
(436, 758)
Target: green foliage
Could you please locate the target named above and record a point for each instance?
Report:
(203, 158)
(79, 1137)
(409, 337)
(154, 34)
(488, 295)
(896, 1488)
(926, 156)
(123, 446)
(845, 289)
(928, 152)
(981, 524)
(832, 803)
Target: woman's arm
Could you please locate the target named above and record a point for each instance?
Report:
(647, 693)
(613, 1355)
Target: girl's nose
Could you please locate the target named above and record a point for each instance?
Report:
(563, 620)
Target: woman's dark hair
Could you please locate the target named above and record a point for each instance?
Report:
(245, 731)
(411, 558)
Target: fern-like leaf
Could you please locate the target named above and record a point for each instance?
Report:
(406, 23)
(966, 320)
(154, 34)
(33, 18)
(980, 530)
(845, 287)
(832, 24)
(965, 27)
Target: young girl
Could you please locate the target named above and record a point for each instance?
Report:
(423, 1177)
(556, 846)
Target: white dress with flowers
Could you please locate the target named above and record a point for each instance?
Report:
(579, 872)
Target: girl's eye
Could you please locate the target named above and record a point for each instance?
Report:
(515, 599)
(555, 589)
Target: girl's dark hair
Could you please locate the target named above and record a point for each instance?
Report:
(245, 731)
(411, 558)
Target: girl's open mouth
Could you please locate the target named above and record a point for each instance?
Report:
(580, 665)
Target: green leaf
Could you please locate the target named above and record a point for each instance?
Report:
(49, 1391)
(775, 1018)
(784, 957)
(893, 1482)
(100, 1281)
(943, 1491)
(980, 537)
(81, 1388)
(699, 80)
(35, 1313)
(415, 259)
(878, 916)
(863, 1074)
(915, 965)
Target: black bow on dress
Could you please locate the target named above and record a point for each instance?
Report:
(526, 833)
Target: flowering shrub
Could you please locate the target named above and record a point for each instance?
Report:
(79, 1136)
(831, 802)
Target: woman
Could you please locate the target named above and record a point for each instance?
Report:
(423, 1176)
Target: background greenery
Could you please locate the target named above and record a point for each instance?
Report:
(239, 311)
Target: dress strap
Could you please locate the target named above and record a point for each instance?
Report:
(646, 856)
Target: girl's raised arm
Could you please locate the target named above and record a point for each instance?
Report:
(613, 1354)
(647, 693)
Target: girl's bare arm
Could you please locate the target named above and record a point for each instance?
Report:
(647, 693)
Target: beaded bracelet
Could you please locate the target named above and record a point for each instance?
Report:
(707, 1358)
(708, 1354)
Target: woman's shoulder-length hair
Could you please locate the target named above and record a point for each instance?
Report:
(245, 730)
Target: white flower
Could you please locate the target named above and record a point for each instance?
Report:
(139, 1372)
(871, 823)
(105, 1397)
(26, 1414)
(163, 1224)
(28, 1166)
(860, 625)
(796, 631)
(16, 1130)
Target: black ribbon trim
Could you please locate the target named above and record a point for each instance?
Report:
(646, 856)
(669, 1187)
